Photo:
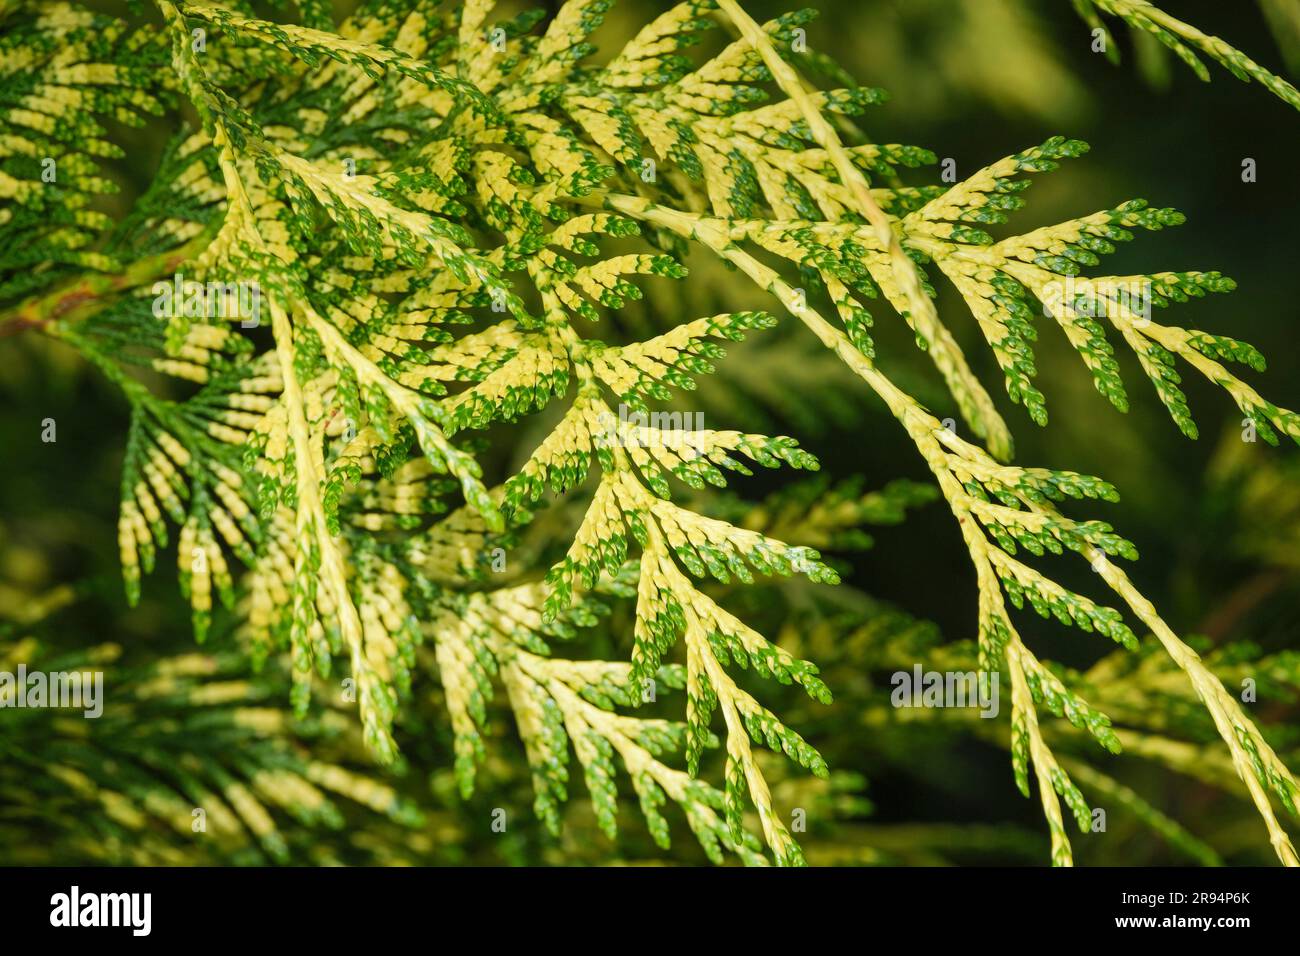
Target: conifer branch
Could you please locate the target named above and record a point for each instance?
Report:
(976, 404)
(414, 186)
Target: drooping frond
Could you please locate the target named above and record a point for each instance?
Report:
(64, 73)
(185, 757)
(1185, 41)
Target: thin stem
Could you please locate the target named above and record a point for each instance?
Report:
(88, 294)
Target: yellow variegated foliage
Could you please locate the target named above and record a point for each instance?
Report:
(429, 221)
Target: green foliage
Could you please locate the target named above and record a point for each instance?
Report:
(193, 758)
(1184, 41)
(417, 228)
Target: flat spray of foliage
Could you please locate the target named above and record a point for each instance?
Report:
(442, 214)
